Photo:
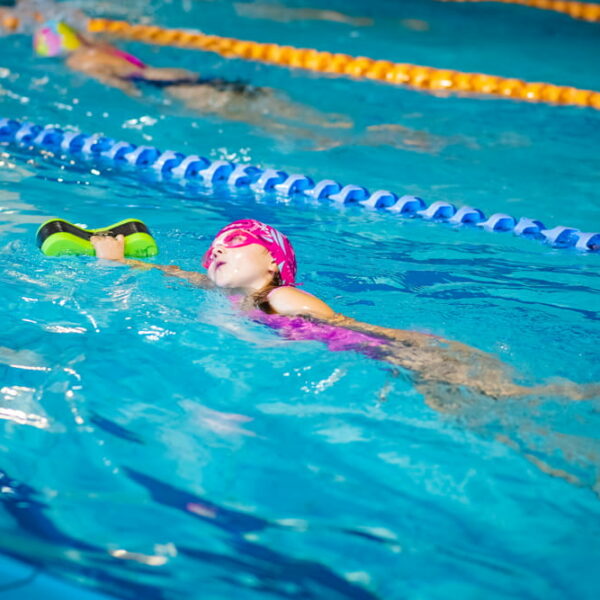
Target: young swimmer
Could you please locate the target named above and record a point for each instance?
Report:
(256, 263)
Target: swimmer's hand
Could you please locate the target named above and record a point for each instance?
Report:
(109, 247)
(113, 248)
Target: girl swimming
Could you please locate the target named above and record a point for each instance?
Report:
(256, 264)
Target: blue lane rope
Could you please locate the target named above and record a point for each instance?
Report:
(175, 165)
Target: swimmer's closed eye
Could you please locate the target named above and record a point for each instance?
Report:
(58, 237)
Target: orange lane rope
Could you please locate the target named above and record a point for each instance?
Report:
(578, 10)
(428, 78)
(8, 22)
(421, 77)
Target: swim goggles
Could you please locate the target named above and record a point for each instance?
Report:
(233, 239)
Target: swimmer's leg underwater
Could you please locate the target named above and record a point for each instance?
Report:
(443, 368)
(456, 384)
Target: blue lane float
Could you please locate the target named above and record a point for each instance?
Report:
(198, 169)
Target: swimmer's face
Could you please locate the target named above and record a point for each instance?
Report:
(248, 266)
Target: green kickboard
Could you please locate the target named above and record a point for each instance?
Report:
(58, 237)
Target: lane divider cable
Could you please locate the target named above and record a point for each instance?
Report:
(197, 170)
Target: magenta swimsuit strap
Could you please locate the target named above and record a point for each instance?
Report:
(136, 62)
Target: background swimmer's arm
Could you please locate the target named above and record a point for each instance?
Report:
(103, 73)
(115, 82)
(111, 248)
(287, 300)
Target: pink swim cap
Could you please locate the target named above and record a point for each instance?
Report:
(274, 241)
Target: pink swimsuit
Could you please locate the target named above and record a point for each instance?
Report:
(336, 338)
(304, 329)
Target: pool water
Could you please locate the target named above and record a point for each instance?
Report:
(155, 443)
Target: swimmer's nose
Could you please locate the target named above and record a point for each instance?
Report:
(216, 251)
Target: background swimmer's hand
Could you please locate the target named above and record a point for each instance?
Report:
(108, 247)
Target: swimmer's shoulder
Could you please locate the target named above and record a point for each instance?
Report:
(102, 58)
(288, 300)
(88, 58)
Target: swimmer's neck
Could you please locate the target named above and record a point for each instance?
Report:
(260, 287)
(252, 298)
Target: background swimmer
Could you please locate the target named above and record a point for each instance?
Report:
(103, 61)
(232, 100)
(238, 101)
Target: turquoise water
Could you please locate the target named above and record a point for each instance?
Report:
(157, 444)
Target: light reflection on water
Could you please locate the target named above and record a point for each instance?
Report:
(155, 435)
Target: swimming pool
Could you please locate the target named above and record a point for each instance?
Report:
(157, 444)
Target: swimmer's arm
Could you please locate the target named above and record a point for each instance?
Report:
(401, 335)
(405, 336)
(103, 74)
(194, 277)
(111, 248)
(291, 301)
(116, 82)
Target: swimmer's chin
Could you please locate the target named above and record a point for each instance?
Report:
(221, 280)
